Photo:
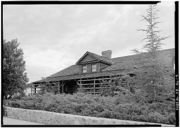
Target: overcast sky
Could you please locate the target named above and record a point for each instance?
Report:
(54, 37)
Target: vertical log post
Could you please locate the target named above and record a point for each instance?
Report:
(59, 87)
(94, 86)
(62, 87)
(31, 89)
(35, 89)
(101, 89)
(80, 85)
(60, 84)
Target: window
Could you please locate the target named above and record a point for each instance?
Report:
(85, 69)
(94, 68)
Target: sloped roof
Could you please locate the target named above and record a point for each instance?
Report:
(120, 64)
(98, 57)
(72, 70)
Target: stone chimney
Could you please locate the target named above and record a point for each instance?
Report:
(107, 53)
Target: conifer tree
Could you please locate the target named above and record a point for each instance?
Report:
(154, 75)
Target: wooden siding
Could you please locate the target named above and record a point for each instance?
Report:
(98, 67)
(89, 68)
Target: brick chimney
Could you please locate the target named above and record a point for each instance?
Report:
(107, 53)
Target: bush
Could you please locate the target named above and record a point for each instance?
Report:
(15, 104)
(106, 114)
(171, 118)
(156, 117)
(120, 106)
(28, 104)
(4, 111)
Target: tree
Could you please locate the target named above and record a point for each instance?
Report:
(154, 75)
(14, 76)
(153, 38)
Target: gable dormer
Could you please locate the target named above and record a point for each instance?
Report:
(91, 62)
(86, 58)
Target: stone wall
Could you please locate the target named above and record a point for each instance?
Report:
(52, 118)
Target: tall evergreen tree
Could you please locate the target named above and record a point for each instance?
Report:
(154, 75)
(152, 38)
(14, 76)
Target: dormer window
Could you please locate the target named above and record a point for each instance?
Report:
(84, 68)
(94, 68)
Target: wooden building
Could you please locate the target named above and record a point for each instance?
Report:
(93, 72)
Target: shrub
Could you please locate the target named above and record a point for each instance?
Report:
(159, 107)
(68, 108)
(139, 98)
(119, 107)
(79, 108)
(28, 104)
(15, 104)
(139, 118)
(106, 114)
(156, 117)
(87, 112)
(4, 111)
(98, 108)
(171, 118)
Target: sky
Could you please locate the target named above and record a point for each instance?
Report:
(54, 37)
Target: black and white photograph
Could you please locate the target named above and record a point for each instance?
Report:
(89, 64)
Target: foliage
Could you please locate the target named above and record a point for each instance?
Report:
(50, 88)
(121, 106)
(152, 37)
(14, 76)
(152, 76)
(116, 87)
(4, 111)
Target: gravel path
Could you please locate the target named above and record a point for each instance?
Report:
(11, 121)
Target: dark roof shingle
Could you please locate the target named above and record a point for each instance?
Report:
(119, 64)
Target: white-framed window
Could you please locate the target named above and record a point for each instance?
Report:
(84, 68)
(94, 68)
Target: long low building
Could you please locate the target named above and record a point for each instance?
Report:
(93, 72)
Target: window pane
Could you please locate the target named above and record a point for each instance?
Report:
(84, 69)
(94, 68)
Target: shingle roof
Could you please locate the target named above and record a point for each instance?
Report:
(72, 70)
(120, 64)
(139, 60)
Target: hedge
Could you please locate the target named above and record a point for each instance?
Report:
(116, 107)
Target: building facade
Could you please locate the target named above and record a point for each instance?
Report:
(92, 72)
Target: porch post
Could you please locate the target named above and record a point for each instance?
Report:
(62, 88)
(35, 89)
(94, 87)
(31, 88)
(59, 87)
